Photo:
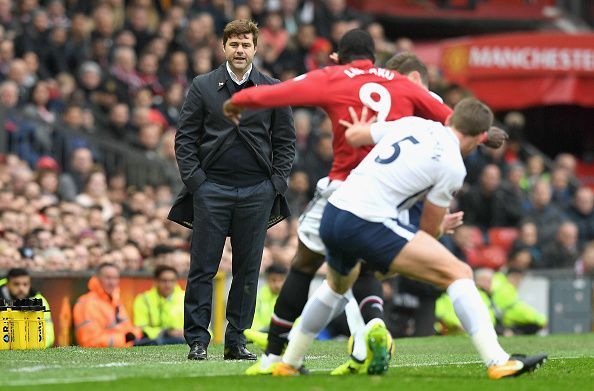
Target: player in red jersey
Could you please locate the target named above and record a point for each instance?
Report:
(356, 83)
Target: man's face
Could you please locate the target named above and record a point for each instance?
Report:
(490, 178)
(19, 287)
(568, 235)
(9, 96)
(82, 160)
(275, 282)
(109, 278)
(239, 52)
(166, 283)
(584, 200)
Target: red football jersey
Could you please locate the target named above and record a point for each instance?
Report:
(336, 88)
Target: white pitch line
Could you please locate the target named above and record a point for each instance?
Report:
(435, 364)
(106, 378)
(47, 381)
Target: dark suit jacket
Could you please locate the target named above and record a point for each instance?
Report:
(204, 133)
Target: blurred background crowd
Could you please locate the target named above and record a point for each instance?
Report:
(90, 94)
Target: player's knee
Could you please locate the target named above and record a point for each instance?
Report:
(338, 286)
(457, 271)
(462, 271)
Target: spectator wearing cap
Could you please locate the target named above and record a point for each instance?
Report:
(159, 312)
(47, 177)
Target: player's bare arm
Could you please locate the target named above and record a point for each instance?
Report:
(432, 219)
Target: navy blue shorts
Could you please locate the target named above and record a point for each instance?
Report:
(349, 238)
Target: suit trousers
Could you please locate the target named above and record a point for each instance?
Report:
(220, 210)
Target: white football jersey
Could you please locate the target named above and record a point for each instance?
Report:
(413, 158)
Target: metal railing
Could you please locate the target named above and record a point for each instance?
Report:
(140, 168)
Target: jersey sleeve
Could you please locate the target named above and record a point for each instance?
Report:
(450, 180)
(428, 107)
(305, 90)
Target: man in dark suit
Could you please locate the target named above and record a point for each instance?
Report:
(235, 178)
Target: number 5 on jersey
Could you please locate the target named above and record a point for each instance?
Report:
(396, 152)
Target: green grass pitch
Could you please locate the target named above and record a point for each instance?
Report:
(435, 363)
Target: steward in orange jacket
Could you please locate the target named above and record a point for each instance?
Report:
(100, 320)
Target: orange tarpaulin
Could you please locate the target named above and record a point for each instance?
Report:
(514, 71)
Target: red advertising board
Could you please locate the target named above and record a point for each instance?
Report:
(514, 71)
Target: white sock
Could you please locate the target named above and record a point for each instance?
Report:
(356, 327)
(320, 309)
(353, 314)
(297, 348)
(475, 319)
(268, 360)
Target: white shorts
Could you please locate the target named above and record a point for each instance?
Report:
(310, 219)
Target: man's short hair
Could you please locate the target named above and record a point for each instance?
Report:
(240, 27)
(471, 117)
(16, 272)
(407, 62)
(275, 268)
(356, 44)
(105, 265)
(160, 269)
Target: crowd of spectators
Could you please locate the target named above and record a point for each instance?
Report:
(119, 70)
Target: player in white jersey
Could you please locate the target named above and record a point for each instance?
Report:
(414, 157)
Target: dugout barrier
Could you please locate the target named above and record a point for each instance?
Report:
(567, 300)
(63, 289)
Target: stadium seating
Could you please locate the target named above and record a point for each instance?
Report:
(502, 237)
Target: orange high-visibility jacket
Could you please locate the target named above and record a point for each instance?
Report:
(101, 321)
